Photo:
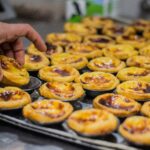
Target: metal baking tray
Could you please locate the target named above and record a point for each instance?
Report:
(110, 142)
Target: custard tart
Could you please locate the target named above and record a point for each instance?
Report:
(120, 51)
(141, 24)
(13, 98)
(145, 110)
(64, 73)
(51, 49)
(13, 73)
(138, 90)
(97, 81)
(119, 105)
(92, 122)
(64, 91)
(63, 39)
(145, 51)
(87, 50)
(146, 33)
(46, 112)
(97, 22)
(35, 61)
(79, 28)
(134, 73)
(75, 61)
(134, 40)
(116, 30)
(106, 64)
(139, 61)
(100, 40)
(136, 129)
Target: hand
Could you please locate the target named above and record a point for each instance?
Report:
(11, 44)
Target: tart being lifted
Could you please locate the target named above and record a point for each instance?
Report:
(13, 98)
(106, 64)
(13, 73)
(119, 105)
(139, 61)
(64, 73)
(92, 122)
(138, 90)
(120, 51)
(97, 81)
(46, 112)
(62, 90)
(88, 50)
(134, 73)
(75, 61)
(136, 129)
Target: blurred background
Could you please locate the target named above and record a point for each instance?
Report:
(49, 15)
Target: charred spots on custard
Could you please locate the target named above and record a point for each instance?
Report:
(91, 118)
(50, 48)
(104, 65)
(109, 101)
(145, 89)
(4, 65)
(85, 50)
(144, 73)
(96, 80)
(50, 104)
(62, 72)
(69, 92)
(35, 58)
(117, 30)
(77, 61)
(135, 130)
(60, 114)
(7, 95)
(100, 40)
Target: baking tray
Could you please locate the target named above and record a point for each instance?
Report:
(111, 142)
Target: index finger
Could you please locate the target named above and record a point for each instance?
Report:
(28, 32)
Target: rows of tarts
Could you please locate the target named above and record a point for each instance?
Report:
(96, 58)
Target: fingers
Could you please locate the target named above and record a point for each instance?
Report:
(10, 43)
(18, 51)
(25, 30)
(7, 50)
(32, 35)
(14, 50)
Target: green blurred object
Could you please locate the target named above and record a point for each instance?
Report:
(75, 18)
(92, 8)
